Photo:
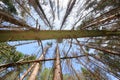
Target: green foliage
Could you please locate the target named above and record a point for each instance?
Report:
(8, 54)
(87, 75)
(66, 76)
(46, 74)
(10, 6)
(112, 62)
(97, 74)
(102, 5)
(11, 75)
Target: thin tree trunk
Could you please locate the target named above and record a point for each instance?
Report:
(113, 14)
(6, 35)
(34, 72)
(2, 69)
(100, 49)
(11, 19)
(37, 66)
(57, 67)
(33, 61)
(26, 73)
(92, 74)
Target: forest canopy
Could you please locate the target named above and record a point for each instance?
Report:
(75, 39)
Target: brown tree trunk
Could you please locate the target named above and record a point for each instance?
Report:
(37, 66)
(57, 67)
(8, 35)
(25, 74)
(11, 19)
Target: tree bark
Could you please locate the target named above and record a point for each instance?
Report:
(11, 19)
(33, 61)
(6, 35)
(57, 67)
(25, 74)
(37, 66)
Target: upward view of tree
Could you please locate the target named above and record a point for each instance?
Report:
(82, 39)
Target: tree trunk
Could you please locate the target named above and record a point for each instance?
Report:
(108, 16)
(34, 72)
(11, 19)
(57, 67)
(25, 74)
(6, 35)
(37, 66)
(36, 61)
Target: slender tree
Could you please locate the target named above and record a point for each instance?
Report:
(57, 66)
(37, 65)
